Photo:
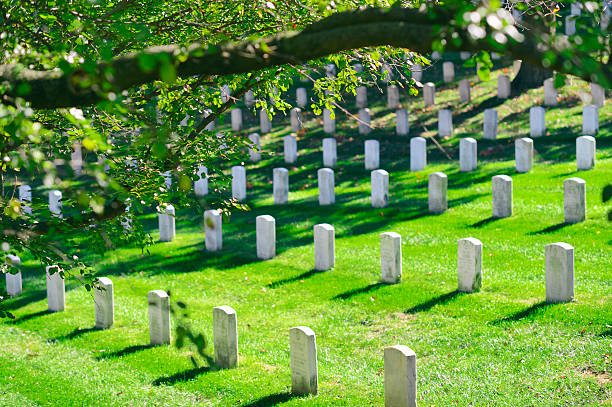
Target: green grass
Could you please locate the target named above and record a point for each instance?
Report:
(501, 346)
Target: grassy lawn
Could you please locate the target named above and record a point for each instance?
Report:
(502, 346)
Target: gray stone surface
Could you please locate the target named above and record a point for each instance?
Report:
(55, 203)
(501, 186)
(417, 72)
(418, 153)
(326, 186)
(402, 126)
(265, 228)
(503, 87)
(445, 123)
(390, 257)
(290, 150)
(301, 97)
(400, 377)
(13, 277)
(361, 98)
(25, 197)
(574, 200)
(104, 303)
(239, 190)
(392, 97)
(296, 119)
(448, 72)
(585, 153)
(213, 230)
(56, 289)
(464, 91)
(490, 124)
(550, 92)
(437, 188)
(570, 25)
(167, 226)
(255, 149)
(559, 269)
(225, 337)
(280, 186)
(364, 121)
(380, 188)
(303, 355)
(468, 155)
(329, 152)
(598, 95)
(329, 124)
(537, 121)
(236, 117)
(523, 154)
(429, 94)
(372, 154)
(590, 120)
(324, 246)
(159, 317)
(469, 264)
(200, 186)
(265, 124)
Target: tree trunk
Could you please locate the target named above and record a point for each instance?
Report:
(529, 77)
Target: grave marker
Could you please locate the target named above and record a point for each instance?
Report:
(392, 97)
(225, 337)
(236, 116)
(598, 95)
(502, 196)
(445, 123)
(213, 232)
(418, 153)
(464, 90)
(265, 124)
(380, 188)
(200, 186)
(56, 289)
(429, 92)
(469, 264)
(239, 191)
(159, 317)
(265, 228)
(166, 219)
(585, 153)
(25, 197)
(361, 99)
(301, 97)
(329, 152)
(402, 127)
(559, 270)
(55, 203)
(503, 87)
(400, 377)
(448, 72)
(490, 124)
(590, 120)
(255, 149)
(13, 280)
(329, 124)
(372, 154)
(326, 186)
(296, 119)
(550, 92)
(574, 200)
(280, 186)
(290, 148)
(523, 154)
(468, 157)
(303, 351)
(364, 121)
(324, 246)
(104, 303)
(537, 121)
(437, 187)
(391, 257)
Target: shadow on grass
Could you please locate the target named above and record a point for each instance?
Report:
(25, 299)
(293, 279)
(526, 313)
(440, 300)
(271, 400)
(125, 351)
(550, 229)
(607, 333)
(30, 316)
(76, 333)
(181, 376)
(357, 291)
(484, 222)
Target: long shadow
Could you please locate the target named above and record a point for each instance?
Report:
(484, 222)
(125, 351)
(550, 229)
(76, 333)
(357, 291)
(30, 316)
(181, 376)
(271, 400)
(527, 312)
(26, 299)
(607, 333)
(426, 306)
(293, 279)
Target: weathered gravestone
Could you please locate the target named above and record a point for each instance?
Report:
(56, 289)
(380, 188)
(324, 246)
(159, 317)
(574, 200)
(391, 257)
(265, 228)
(469, 264)
(280, 186)
(559, 270)
(213, 232)
(303, 355)
(104, 303)
(400, 377)
(502, 196)
(326, 186)
(437, 187)
(225, 337)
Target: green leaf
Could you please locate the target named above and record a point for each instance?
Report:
(167, 73)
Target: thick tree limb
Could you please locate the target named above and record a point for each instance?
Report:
(406, 28)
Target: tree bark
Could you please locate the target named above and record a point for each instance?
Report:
(529, 77)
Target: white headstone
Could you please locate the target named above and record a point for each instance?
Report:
(280, 186)
(502, 196)
(469, 264)
(329, 152)
(55, 203)
(503, 87)
(464, 55)
(265, 227)
(400, 377)
(418, 153)
(437, 187)
(495, 56)
(225, 337)
(575, 9)
(490, 124)
(329, 124)
(200, 186)
(213, 230)
(301, 97)
(330, 70)
(391, 257)
(436, 56)
(236, 115)
(590, 120)
(574, 200)
(537, 121)
(361, 99)
(265, 124)
(296, 119)
(402, 126)
(429, 94)
(13, 277)
(249, 99)
(417, 72)
(550, 92)
(464, 90)
(559, 270)
(448, 72)
(598, 95)
(56, 289)
(392, 97)
(364, 121)
(104, 303)
(290, 148)
(372, 154)
(76, 159)
(239, 191)
(255, 149)
(445, 123)
(585, 153)
(570, 25)
(166, 217)
(324, 246)
(468, 155)
(380, 188)
(159, 317)
(523, 154)
(25, 197)
(303, 355)
(326, 186)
